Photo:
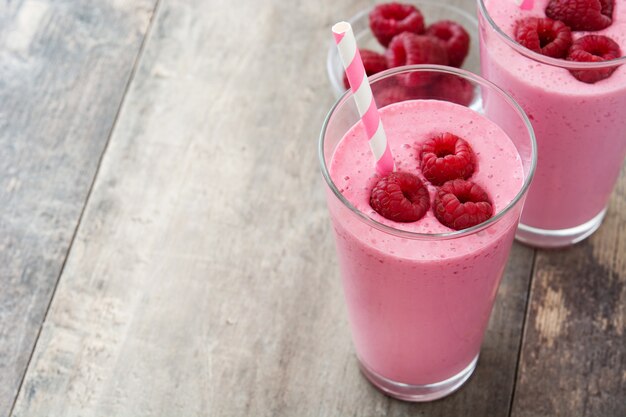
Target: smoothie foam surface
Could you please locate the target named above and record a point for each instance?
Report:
(409, 124)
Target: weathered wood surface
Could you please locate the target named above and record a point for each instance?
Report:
(573, 361)
(64, 67)
(202, 279)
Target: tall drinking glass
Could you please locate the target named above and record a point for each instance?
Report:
(419, 303)
(580, 127)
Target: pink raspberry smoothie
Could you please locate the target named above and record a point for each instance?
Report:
(418, 308)
(580, 127)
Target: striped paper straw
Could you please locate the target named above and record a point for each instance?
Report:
(362, 93)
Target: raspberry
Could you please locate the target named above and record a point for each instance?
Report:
(409, 49)
(460, 204)
(449, 87)
(455, 39)
(545, 36)
(401, 197)
(373, 63)
(593, 48)
(581, 14)
(391, 19)
(446, 157)
(607, 7)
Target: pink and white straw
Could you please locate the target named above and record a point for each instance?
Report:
(362, 93)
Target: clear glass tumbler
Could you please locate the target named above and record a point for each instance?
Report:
(418, 303)
(580, 127)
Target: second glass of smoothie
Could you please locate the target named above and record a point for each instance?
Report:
(419, 295)
(580, 126)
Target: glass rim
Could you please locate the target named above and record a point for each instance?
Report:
(430, 236)
(555, 62)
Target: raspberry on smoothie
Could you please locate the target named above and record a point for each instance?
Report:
(446, 157)
(401, 197)
(545, 36)
(460, 204)
(593, 48)
(446, 160)
(582, 14)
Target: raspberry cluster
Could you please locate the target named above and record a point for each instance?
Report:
(447, 162)
(401, 29)
(552, 35)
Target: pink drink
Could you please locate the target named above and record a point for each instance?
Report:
(419, 311)
(419, 294)
(580, 127)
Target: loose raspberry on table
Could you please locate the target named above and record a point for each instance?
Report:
(373, 63)
(401, 197)
(460, 204)
(455, 39)
(582, 14)
(446, 157)
(545, 36)
(593, 48)
(449, 87)
(391, 19)
(410, 49)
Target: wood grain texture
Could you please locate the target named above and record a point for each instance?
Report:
(64, 66)
(573, 360)
(202, 280)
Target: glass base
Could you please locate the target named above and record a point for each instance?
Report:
(543, 238)
(419, 393)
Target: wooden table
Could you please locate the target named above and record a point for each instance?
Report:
(164, 243)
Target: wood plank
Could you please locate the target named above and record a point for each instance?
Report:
(203, 279)
(64, 66)
(573, 360)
